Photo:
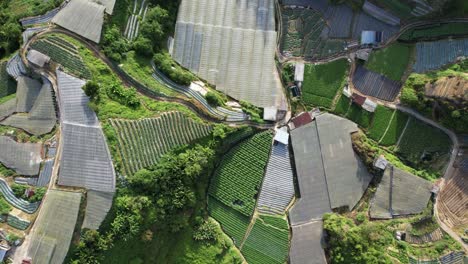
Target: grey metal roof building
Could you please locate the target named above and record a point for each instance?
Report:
(306, 244)
(400, 193)
(24, 158)
(82, 17)
(232, 45)
(37, 58)
(86, 161)
(347, 177)
(73, 101)
(314, 199)
(53, 230)
(97, 207)
(278, 188)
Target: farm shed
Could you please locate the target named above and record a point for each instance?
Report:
(86, 160)
(369, 105)
(97, 206)
(37, 58)
(376, 85)
(24, 158)
(82, 17)
(314, 199)
(347, 177)
(299, 72)
(53, 230)
(232, 45)
(306, 244)
(400, 193)
(278, 188)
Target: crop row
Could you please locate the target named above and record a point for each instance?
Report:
(395, 128)
(143, 142)
(266, 244)
(382, 116)
(233, 223)
(17, 222)
(237, 180)
(70, 61)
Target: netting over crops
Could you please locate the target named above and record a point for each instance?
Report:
(53, 230)
(15, 67)
(232, 45)
(375, 84)
(306, 244)
(24, 158)
(97, 206)
(433, 55)
(400, 193)
(82, 17)
(7, 108)
(19, 203)
(86, 161)
(27, 91)
(73, 101)
(278, 187)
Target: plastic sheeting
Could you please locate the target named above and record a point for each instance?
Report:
(24, 158)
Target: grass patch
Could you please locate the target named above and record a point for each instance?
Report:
(422, 144)
(322, 82)
(382, 116)
(391, 61)
(436, 31)
(342, 106)
(359, 116)
(395, 128)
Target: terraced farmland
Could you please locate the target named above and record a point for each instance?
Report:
(382, 115)
(143, 142)
(64, 53)
(232, 222)
(237, 180)
(267, 243)
(322, 82)
(395, 128)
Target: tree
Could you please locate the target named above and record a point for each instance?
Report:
(91, 89)
(143, 46)
(114, 45)
(156, 25)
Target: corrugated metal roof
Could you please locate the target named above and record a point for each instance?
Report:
(38, 58)
(82, 17)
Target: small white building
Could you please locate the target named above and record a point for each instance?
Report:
(381, 162)
(282, 136)
(369, 105)
(270, 113)
(299, 72)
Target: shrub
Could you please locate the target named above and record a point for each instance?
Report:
(125, 96)
(214, 99)
(207, 231)
(361, 217)
(167, 66)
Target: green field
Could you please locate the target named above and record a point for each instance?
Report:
(267, 243)
(7, 85)
(342, 106)
(322, 82)
(232, 222)
(394, 129)
(422, 142)
(277, 222)
(382, 116)
(391, 61)
(143, 142)
(424, 33)
(22, 8)
(359, 116)
(237, 180)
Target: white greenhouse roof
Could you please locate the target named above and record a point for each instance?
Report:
(282, 136)
(299, 72)
(82, 17)
(232, 45)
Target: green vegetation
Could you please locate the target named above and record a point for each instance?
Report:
(382, 116)
(391, 61)
(7, 85)
(395, 128)
(424, 144)
(233, 223)
(322, 82)
(342, 106)
(237, 180)
(215, 99)
(358, 115)
(448, 113)
(435, 31)
(167, 65)
(255, 113)
(275, 221)
(64, 54)
(5, 207)
(141, 143)
(374, 242)
(20, 191)
(267, 243)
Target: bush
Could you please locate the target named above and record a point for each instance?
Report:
(207, 231)
(360, 218)
(167, 66)
(91, 89)
(214, 99)
(125, 96)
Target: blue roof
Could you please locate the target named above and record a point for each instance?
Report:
(368, 37)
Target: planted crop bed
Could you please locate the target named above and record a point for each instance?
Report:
(63, 53)
(382, 116)
(421, 142)
(237, 180)
(17, 222)
(342, 106)
(359, 116)
(232, 222)
(143, 142)
(391, 61)
(322, 82)
(267, 243)
(395, 128)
